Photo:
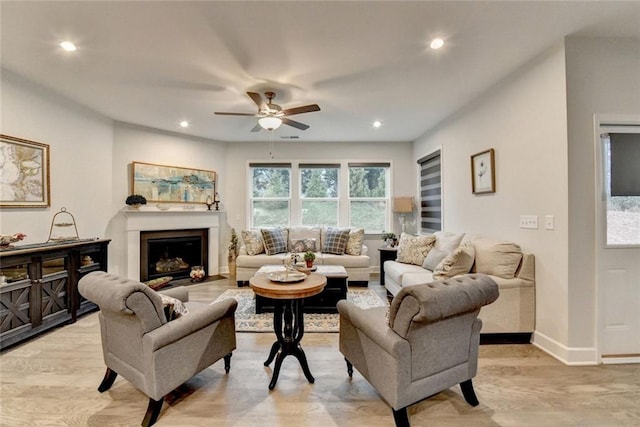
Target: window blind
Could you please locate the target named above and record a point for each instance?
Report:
(430, 193)
(625, 164)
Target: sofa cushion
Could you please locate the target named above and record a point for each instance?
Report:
(414, 249)
(335, 241)
(396, 270)
(433, 258)
(253, 242)
(347, 261)
(457, 262)
(257, 261)
(497, 258)
(447, 241)
(354, 243)
(275, 240)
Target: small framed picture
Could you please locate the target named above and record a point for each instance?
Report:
(483, 174)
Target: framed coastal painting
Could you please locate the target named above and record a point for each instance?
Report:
(174, 184)
(483, 174)
(24, 173)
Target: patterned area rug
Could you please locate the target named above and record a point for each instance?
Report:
(248, 321)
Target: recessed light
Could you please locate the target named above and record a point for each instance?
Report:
(377, 124)
(184, 124)
(436, 43)
(68, 46)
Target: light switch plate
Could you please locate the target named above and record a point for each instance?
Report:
(548, 222)
(529, 221)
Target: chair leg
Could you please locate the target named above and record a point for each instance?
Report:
(349, 368)
(227, 363)
(401, 417)
(107, 381)
(153, 411)
(468, 393)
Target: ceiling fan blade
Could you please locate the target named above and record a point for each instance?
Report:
(300, 110)
(235, 114)
(258, 100)
(295, 124)
(256, 128)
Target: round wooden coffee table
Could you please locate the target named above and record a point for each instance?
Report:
(288, 318)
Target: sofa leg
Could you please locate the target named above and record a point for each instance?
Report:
(349, 368)
(468, 393)
(108, 380)
(227, 363)
(153, 411)
(401, 417)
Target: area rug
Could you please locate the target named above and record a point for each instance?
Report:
(248, 321)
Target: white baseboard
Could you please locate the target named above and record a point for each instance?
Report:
(572, 356)
(620, 360)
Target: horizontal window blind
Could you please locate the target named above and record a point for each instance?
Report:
(430, 193)
(625, 164)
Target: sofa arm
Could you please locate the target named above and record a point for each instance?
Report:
(369, 321)
(195, 320)
(180, 293)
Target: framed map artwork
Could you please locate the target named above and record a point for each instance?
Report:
(24, 173)
(172, 184)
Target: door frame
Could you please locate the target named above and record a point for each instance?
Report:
(611, 122)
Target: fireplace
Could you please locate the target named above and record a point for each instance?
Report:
(150, 219)
(172, 252)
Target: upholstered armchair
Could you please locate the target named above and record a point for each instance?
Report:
(429, 343)
(140, 344)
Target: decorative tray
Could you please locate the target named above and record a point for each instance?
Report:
(283, 277)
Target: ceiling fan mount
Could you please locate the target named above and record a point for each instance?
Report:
(271, 116)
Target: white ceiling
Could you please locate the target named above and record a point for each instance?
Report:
(157, 63)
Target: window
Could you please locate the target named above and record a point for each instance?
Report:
(622, 187)
(335, 194)
(430, 193)
(270, 195)
(369, 196)
(319, 194)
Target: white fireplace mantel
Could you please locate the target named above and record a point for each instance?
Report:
(148, 220)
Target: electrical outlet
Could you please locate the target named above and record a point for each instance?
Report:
(529, 221)
(548, 222)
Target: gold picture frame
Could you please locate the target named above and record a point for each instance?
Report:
(24, 173)
(172, 184)
(483, 172)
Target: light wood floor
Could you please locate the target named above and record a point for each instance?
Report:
(52, 381)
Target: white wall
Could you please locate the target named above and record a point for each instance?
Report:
(80, 143)
(524, 120)
(132, 143)
(603, 78)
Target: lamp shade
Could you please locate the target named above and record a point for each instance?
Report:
(270, 123)
(403, 204)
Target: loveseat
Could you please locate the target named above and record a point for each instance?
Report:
(331, 245)
(423, 259)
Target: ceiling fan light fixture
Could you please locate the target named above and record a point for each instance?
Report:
(270, 123)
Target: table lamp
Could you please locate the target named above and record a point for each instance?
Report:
(402, 206)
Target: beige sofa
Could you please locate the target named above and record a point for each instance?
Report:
(504, 262)
(355, 260)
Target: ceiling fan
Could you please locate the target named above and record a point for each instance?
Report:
(271, 115)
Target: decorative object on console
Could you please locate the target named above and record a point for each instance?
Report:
(63, 221)
(135, 201)
(7, 239)
(25, 173)
(389, 238)
(159, 183)
(483, 175)
(403, 206)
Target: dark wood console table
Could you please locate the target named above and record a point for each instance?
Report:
(39, 289)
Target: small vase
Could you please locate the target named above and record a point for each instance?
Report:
(309, 263)
(197, 273)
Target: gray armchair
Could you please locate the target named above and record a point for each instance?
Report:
(429, 343)
(154, 354)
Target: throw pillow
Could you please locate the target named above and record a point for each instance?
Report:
(275, 240)
(457, 262)
(335, 241)
(497, 258)
(433, 258)
(303, 245)
(414, 249)
(354, 243)
(447, 241)
(173, 307)
(253, 242)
